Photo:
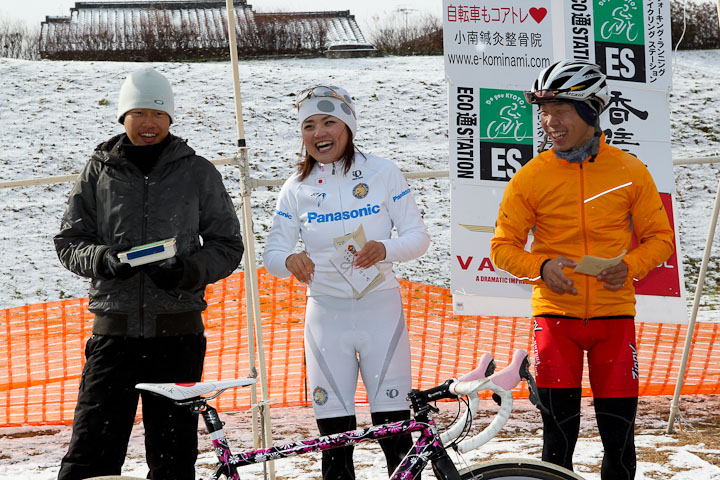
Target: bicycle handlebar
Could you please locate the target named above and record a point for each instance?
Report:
(500, 383)
(485, 368)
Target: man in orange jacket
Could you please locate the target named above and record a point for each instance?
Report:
(582, 197)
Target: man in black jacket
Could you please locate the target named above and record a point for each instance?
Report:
(139, 187)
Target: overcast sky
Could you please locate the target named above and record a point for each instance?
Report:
(33, 12)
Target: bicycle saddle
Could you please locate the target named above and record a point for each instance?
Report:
(184, 391)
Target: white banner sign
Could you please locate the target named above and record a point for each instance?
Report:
(494, 132)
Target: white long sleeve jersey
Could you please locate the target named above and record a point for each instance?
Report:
(329, 204)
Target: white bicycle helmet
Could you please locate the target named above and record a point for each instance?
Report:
(569, 80)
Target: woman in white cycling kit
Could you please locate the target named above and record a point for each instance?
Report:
(335, 190)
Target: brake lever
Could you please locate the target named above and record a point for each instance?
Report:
(489, 371)
(532, 387)
(490, 368)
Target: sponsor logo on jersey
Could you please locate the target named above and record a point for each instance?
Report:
(357, 174)
(536, 326)
(343, 215)
(635, 367)
(536, 353)
(400, 195)
(283, 214)
(361, 190)
(392, 392)
(320, 396)
(319, 196)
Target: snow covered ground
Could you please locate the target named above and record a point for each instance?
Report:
(35, 453)
(54, 113)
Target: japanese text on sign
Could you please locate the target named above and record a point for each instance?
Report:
(619, 110)
(507, 39)
(477, 14)
(657, 63)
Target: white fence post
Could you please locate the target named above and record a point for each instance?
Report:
(693, 315)
(255, 336)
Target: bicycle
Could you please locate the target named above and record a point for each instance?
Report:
(430, 446)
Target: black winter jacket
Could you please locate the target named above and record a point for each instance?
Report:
(113, 203)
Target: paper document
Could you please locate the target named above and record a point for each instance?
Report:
(594, 265)
(362, 280)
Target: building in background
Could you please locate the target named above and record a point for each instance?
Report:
(187, 30)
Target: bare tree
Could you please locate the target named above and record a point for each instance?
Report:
(17, 40)
(395, 35)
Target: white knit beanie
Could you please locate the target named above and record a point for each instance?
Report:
(146, 88)
(323, 100)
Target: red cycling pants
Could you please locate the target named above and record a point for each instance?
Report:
(560, 344)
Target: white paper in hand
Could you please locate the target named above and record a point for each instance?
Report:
(594, 265)
(362, 280)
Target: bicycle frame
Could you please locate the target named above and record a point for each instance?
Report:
(427, 448)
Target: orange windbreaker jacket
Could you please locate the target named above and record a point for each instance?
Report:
(578, 209)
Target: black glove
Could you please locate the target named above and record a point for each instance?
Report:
(168, 274)
(113, 267)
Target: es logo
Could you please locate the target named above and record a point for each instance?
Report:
(620, 39)
(506, 133)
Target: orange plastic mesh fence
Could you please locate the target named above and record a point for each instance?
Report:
(41, 348)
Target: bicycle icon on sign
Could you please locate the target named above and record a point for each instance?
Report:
(621, 24)
(510, 124)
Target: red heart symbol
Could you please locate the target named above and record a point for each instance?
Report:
(538, 13)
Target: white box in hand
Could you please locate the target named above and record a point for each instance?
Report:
(148, 253)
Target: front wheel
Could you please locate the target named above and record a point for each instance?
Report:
(517, 469)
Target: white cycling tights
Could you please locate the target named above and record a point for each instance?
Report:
(347, 335)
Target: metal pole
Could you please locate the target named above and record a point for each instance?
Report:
(249, 238)
(674, 405)
(693, 315)
(251, 348)
(252, 293)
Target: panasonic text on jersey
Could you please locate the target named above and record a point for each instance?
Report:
(343, 215)
(283, 214)
(400, 195)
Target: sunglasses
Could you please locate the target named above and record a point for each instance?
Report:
(542, 96)
(321, 91)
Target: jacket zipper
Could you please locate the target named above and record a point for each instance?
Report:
(141, 306)
(585, 238)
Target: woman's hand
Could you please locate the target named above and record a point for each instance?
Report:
(301, 267)
(372, 253)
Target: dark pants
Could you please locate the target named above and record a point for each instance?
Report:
(108, 400)
(616, 424)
